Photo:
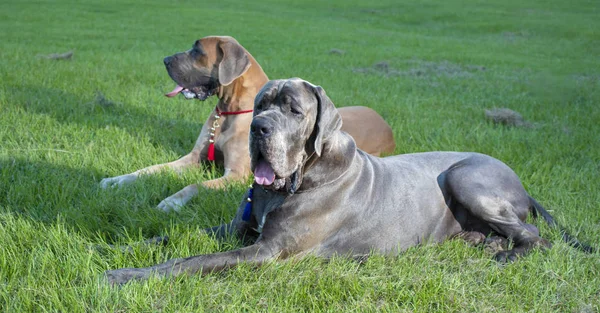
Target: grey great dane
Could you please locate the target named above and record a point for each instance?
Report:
(316, 193)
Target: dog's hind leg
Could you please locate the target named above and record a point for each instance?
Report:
(494, 198)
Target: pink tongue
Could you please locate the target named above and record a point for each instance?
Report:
(175, 91)
(263, 173)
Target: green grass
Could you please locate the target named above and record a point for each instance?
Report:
(540, 58)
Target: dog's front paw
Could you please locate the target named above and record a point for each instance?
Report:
(124, 275)
(179, 199)
(117, 181)
(172, 203)
(506, 256)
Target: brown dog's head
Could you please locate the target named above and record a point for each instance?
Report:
(292, 120)
(212, 62)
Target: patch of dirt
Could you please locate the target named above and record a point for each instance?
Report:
(593, 78)
(337, 51)
(506, 117)
(58, 56)
(476, 68)
(371, 11)
(422, 69)
(512, 36)
(381, 68)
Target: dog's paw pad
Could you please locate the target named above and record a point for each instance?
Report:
(506, 256)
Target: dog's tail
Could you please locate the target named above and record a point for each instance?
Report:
(539, 209)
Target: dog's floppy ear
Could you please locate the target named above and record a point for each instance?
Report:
(235, 62)
(328, 118)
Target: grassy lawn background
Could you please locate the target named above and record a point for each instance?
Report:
(430, 68)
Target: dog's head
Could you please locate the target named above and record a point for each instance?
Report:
(212, 62)
(292, 121)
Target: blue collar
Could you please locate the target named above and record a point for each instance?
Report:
(248, 208)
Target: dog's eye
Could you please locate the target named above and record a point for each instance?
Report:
(295, 110)
(259, 106)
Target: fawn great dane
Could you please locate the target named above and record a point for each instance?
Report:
(219, 65)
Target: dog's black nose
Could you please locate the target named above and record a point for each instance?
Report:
(261, 127)
(168, 60)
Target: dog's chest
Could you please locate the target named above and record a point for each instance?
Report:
(262, 203)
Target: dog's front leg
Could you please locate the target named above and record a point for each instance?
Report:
(236, 161)
(191, 159)
(178, 165)
(180, 198)
(255, 254)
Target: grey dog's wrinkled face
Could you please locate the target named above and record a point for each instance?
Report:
(194, 74)
(285, 112)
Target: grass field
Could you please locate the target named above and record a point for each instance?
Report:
(441, 63)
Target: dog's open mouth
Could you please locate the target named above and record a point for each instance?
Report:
(188, 94)
(264, 173)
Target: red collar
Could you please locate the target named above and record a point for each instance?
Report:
(211, 141)
(231, 113)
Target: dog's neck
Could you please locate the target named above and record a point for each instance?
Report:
(240, 94)
(337, 155)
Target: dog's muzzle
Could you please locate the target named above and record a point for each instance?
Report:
(200, 94)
